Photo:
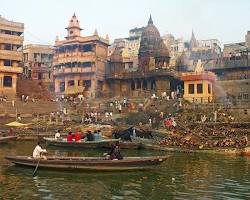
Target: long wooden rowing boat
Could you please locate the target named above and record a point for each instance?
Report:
(89, 163)
(129, 145)
(7, 139)
(104, 143)
(226, 151)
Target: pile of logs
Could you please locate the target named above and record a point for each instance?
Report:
(196, 140)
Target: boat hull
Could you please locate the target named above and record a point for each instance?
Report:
(224, 151)
(7, 139)
(89, 163)
(88, 144)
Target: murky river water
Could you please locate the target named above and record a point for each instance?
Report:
(183, 176)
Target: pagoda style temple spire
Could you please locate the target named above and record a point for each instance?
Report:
(193, 41)
(150, 21)
(74, 29)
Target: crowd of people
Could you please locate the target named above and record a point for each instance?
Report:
(113, 154)
(78, 136)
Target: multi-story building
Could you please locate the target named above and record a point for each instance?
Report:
(233, 49)
(132, 43)
(11, 42)
(233, 71)
(175, 46)
(38, 61)
(205, 50)
(79, 62)
(136, 32)
(236, 50)
(153, 73)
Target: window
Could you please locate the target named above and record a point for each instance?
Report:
(62, 86)
(7, 81)
(87, 83)
(71, 83)
(240, 96)
(7, 47)
(86, 64)
(209, 89)
(190, 88)
(199, 88)
(87, 48)
(7, 63)
(245, 96)
(133, 85)
(40, 76)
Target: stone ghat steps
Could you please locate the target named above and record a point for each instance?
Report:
(34, 89)
(39, 107)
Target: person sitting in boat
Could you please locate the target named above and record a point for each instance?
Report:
(69, 137)
(97, 135)
(37, 153)
(57, 135)
(114, 153)
(77, 136)
(100, 133)
(90, 136)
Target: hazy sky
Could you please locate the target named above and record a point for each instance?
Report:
(226, 20)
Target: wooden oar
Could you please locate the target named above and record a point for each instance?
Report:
(34, 173)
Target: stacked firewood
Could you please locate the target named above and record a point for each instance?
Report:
(197, 141)
(178, 140)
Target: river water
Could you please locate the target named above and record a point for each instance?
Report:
(183, 176)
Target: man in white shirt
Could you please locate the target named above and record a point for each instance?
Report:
(38, 151)
(57, 135)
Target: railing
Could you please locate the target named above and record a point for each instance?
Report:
(239, 78)
(10, 55)
(73, 54)
(72, 70)
(11, 69)
(11, 23)
(11, 39)
(227, 63)
(135, 74)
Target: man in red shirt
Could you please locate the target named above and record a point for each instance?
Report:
(69, 137)
(77, 136)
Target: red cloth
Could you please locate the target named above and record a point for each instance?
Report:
(77, 137)
(168, 122)
(69, 138)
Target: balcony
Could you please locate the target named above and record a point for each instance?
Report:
(11, 39)
(74, 70)
(10, 55)
(141, 74)
(74, 56)
(17, 70)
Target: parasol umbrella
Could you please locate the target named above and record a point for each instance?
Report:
(16, 124)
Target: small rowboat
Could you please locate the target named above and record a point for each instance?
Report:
(104, 143)
(129, 145)
(7, 139)
(89, 163)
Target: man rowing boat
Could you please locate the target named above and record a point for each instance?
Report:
(114, 153)
(37, 153)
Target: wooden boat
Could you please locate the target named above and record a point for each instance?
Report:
(89, 163)
(224, 151)
(104, 143)
(7, 139)
(142, 140)
(129, 145)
